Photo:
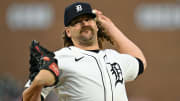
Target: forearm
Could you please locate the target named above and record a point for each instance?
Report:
(123, 44)
(33, 93)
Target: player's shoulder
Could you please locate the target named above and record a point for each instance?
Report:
(115, 53)
(62, 51)
(111, 52)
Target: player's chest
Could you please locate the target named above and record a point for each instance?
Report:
(82, 66)
(108, 71)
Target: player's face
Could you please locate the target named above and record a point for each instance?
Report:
(83, 31)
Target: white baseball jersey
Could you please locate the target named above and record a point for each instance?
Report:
(93, 76)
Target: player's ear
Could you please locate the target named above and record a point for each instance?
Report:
(68, 32)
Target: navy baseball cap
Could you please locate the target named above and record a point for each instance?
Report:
(75, 10)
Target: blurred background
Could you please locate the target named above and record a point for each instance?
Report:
(154, 25)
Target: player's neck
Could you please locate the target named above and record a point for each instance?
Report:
(93, 47)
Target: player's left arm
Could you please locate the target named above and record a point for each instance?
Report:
(123, 44)
(33, 93)
(44, 72)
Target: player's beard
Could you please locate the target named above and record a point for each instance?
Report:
(87, 36)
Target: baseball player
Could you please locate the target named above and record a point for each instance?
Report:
(83, 70)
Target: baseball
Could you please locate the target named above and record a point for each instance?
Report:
(94, 11)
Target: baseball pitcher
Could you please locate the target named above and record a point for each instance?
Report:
(83, 70)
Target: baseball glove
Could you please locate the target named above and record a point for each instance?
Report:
(41, 58)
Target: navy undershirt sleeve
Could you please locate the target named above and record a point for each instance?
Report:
(141, 66)
(42, 98)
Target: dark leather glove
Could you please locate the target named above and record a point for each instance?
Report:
(41, 58)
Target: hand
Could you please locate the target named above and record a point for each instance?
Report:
(105, 22)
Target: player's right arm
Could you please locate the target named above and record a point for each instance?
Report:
(123, 43)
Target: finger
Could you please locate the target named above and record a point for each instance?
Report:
(97, 12)
(101, 18)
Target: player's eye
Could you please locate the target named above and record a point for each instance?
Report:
(88, 19)
(80, 20)
(75, 22)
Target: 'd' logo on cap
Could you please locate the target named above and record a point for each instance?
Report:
(79, 8)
